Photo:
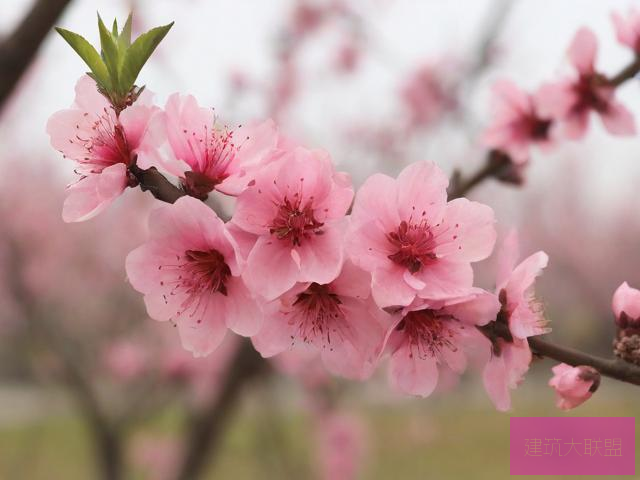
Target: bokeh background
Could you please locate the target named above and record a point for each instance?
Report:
(92, 388)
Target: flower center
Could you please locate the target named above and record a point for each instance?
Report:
(319, 316)
(197, 274)
(428, 332)
(105, 145)
(293, 222)
(592, 92)
(414, 244)
(538, 127)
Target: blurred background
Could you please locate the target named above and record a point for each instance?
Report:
(92, 388)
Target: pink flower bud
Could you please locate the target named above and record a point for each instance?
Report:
(573, 385)
(626, 306)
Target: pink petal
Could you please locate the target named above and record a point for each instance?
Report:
(377, 200)
(412, 375)
(576, 124)
(94, 193)
(444, 279)
(618, 120)
(367, 245)
(389, 288)
(624, 31)
(480, 308)
(422, 192)
(583, 49)
(243, 316)
(352, 282)
(467, 232)
(627, 300)
(88, 98)
(135, 120)
(270, 270)
(204, 336)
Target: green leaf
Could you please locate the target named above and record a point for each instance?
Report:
(124, 39)
(90, 56)
(114, 29)
(109, 53)
(138, 54)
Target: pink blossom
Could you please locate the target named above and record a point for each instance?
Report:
(341, 446)
(571, 100)
(517, 123)
(189, 273)
(628, 28)
(430, 334)
(125, 360)
(413, 242)
(337, 319)
(626, 306)
(184, 141)
(425, 95)
(523, 317)
(573, 385)
(295, 208)
(102, 144)
(347, 56)
(158, 457)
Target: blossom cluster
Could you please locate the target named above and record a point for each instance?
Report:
(302, 263)
(562, 109)
(307, 264)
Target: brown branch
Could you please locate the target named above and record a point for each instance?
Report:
(206, 428)
(497, 165)
(18, 50)
(627, 73)
(153, 181)
(610, 367)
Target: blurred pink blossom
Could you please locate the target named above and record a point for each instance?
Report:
(426, 96)
(627, 28)
(517, 124)
(341, 446)
(125, 360)
(572, 100)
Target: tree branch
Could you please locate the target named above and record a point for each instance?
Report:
(611, 367)
(19, 49)
(106, 438)
(207, 427)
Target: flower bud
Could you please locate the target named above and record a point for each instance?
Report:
(573, 385)
(626, 307)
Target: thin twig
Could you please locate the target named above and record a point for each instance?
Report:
(18, 50)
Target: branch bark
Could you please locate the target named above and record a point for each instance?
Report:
(206, 428)
(107, 440)
(18, 50)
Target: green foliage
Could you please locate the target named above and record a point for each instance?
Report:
(116, 68)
